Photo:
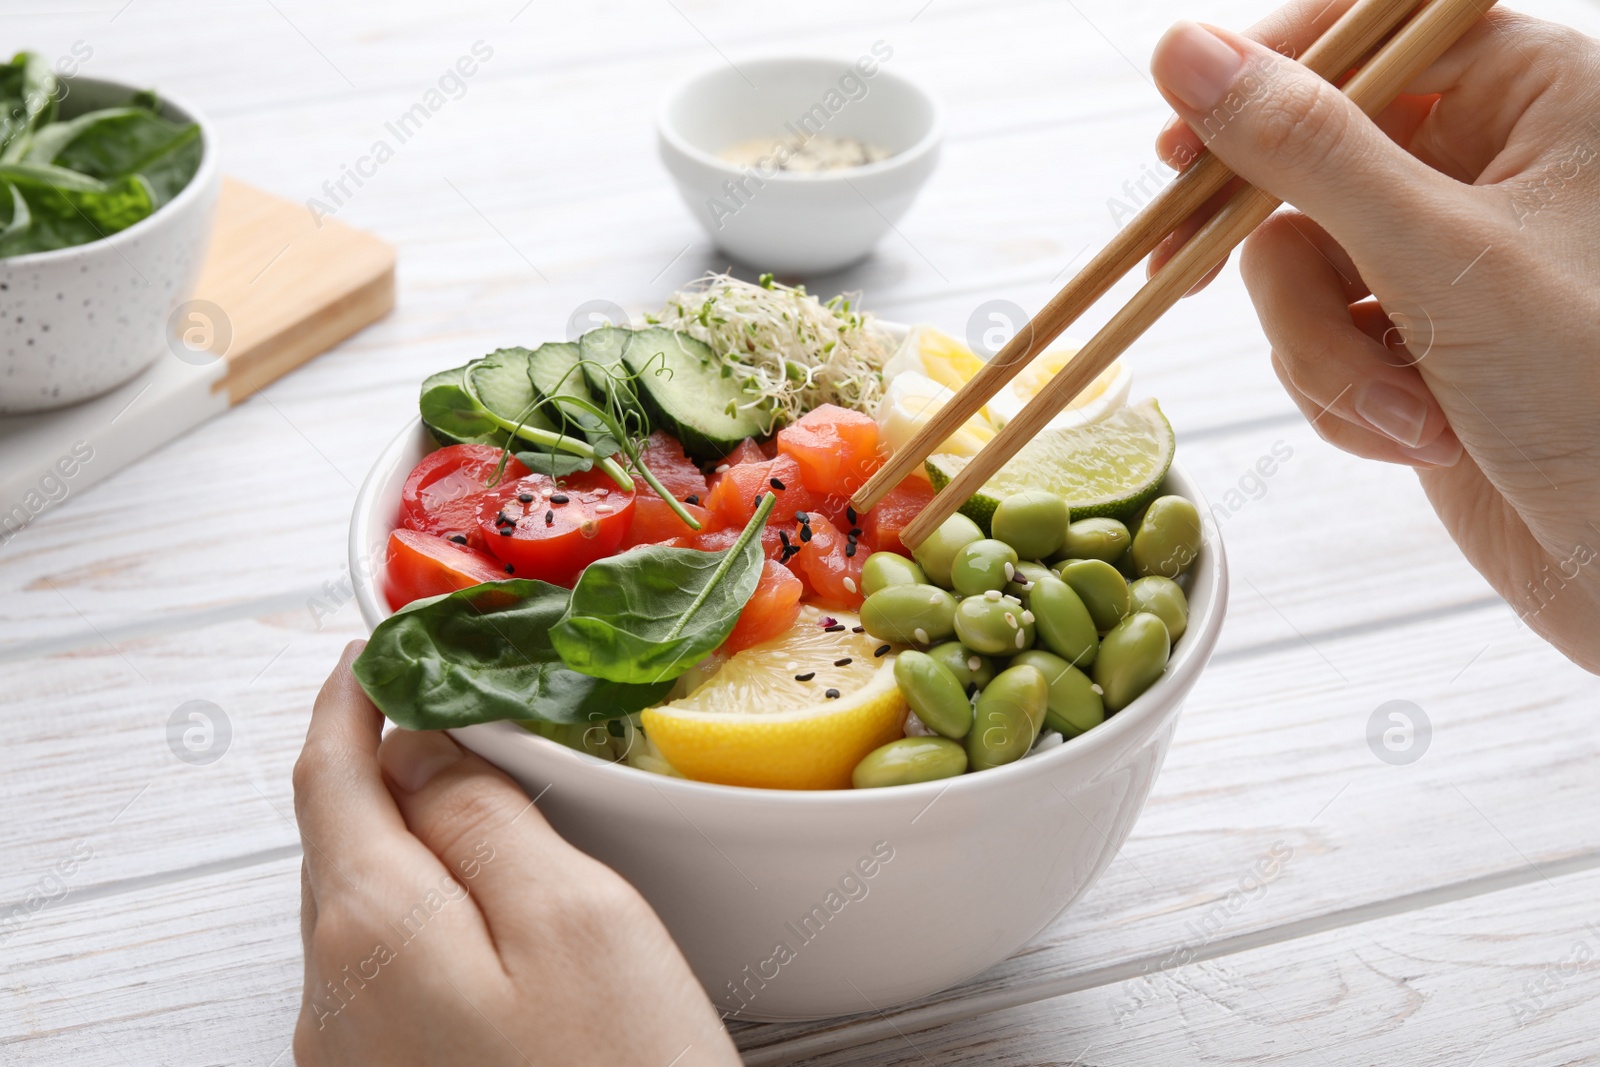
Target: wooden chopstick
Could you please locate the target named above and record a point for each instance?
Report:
(1416, 46)
(1356, 33)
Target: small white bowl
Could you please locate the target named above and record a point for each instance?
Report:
(799, 222)
(807, 905)
(77, 322)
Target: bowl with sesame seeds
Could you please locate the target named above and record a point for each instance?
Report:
(828, 756)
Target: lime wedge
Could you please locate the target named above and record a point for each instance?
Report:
(1112, 467)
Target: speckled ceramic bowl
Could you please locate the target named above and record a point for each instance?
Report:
(76, 322)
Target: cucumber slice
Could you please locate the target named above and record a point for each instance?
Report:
(680, 382)
(453, 416)
(500, 382)
(555, 373)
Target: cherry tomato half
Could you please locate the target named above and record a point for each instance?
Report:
(423, 565)
(444, 493)
(552, 530)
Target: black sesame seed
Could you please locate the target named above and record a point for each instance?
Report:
(690, 499)
(850, 548)
(850, 514)
(842, 662)
(788, 553)
(858, 629)
(507, 531)
(526, 498)
(805, 533)
(801, 517)
(806, 677)
(880, 651)
(510, 569)
(559, 498)
(855, 531)
(836, 628)
(783, 535)
(779, 486)
(832, 694)
(549, 518)
(459, 539)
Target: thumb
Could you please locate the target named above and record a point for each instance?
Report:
(1289, 132)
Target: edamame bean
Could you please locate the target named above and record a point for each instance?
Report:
(908, 761)
(1063, 621)
(1168, 539)
(1074, 705)
(910, 614)
(1102, 589)
(934, 693)
(938, 552)
(1132, 656)
(1032, 522)
(997, 627)
(1163, 598)
(969, 668)
(981, 566)
(1098, 538)
(883, 569)
(1023, 577)
(1009, 713)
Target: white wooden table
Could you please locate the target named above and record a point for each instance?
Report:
(1440, 912)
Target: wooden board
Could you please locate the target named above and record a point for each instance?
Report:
(292, 284)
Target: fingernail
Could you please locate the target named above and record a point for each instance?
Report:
(1392, 411)
(414, 758)
(1195, 65)
(1443, 451)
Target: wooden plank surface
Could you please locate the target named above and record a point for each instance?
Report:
(535, 190)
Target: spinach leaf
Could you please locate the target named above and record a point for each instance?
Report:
(28, 92)
(651, 613)
(77, 180)
(123, 141)
(454, 415)
(483, 654)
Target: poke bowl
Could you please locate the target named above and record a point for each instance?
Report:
(817, 899)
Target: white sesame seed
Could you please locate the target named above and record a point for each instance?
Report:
(1011, 620)
(602, 493)
(921, 635)
(1027, 618)
(992, 595)
(547, 492)
(1097, 691)
(1020, 637)
(1011, 572)
(974, 663)
(850, 583)
(1013, 599)
(603, 509)
(791, 666)
(721, 469)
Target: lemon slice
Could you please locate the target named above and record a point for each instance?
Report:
(755, 723)
(1112, 467)
(1101, 397)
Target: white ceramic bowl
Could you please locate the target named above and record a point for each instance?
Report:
(806, 905)
(799, 222)
(76, 322)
